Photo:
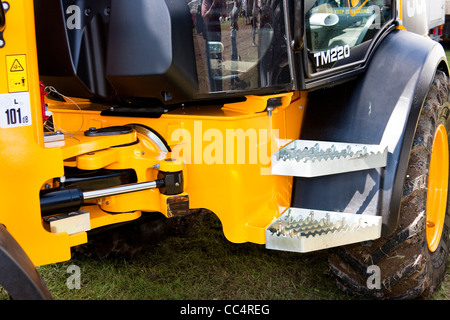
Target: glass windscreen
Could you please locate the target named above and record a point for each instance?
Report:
(240, 44)
(339, 32)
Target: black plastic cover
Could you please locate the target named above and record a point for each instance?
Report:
(149, 53)
(71, 46)
(150, 50)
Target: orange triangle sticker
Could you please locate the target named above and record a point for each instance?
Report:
(16, 66)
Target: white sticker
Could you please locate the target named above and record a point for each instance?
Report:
(15, 110)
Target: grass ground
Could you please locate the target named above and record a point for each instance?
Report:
(201, 264)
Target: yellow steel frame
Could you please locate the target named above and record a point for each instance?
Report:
(224, 153)
(25, 163)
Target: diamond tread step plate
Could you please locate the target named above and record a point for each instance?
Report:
(307, 158)
(305, 230)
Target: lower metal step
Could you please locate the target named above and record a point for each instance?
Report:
(304, 230)
(307, 158)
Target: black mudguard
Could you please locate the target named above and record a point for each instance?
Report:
(18, 276)
(381, 106)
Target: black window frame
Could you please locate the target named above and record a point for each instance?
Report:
(342, 72)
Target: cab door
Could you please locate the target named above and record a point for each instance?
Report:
(339, 34)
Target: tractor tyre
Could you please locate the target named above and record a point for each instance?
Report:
(411, 263)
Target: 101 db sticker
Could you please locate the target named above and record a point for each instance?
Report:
(15, 110)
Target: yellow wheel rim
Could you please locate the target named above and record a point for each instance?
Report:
(437, 188)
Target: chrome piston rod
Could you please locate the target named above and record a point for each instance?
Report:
(95, 194)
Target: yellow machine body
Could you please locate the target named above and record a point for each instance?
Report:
(224, 153)
(25, 163)
(122, 111)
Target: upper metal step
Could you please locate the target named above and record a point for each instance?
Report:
(307, 158)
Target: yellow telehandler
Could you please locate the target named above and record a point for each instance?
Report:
(317, 125)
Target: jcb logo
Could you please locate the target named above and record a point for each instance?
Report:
(415, 7)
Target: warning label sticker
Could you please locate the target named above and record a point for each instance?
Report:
(15, 110)
(16, 67)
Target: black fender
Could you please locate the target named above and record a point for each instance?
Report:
(18, 275)
(380, 106)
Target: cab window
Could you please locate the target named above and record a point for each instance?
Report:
(339, 32)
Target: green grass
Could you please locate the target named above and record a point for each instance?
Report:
(199, 265)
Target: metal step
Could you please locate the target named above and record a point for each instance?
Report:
(304, 230)
(307, 158)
